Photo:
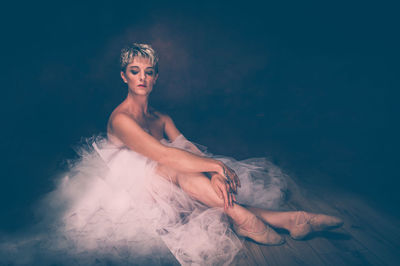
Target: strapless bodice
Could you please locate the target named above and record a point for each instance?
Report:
(108, 150)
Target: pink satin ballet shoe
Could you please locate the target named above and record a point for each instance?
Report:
(306, 223)
(266, 236)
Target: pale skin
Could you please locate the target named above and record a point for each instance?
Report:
(139, 127)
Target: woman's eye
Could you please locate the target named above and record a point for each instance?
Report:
(134, 72)
(150, 73)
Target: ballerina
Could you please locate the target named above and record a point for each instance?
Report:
(139, 127)
(147, 195)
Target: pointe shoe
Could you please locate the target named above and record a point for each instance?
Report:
(312, 223)
(266, 237)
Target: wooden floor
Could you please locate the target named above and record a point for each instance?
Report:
(368, 236)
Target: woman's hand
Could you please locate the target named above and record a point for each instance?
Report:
(223, 189)
(231, 177)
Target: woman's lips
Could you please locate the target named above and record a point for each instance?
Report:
(142, 85)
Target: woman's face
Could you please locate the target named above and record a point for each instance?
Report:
(140, 76)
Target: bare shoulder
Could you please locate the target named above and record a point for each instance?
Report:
(119, 119)
(118, 116)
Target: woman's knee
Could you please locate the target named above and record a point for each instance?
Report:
(199, 187)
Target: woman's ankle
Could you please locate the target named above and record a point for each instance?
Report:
(284, 219)
(238, 214)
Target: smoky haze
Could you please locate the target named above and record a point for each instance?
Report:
(310, 86)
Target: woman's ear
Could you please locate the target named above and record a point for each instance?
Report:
(123, 76)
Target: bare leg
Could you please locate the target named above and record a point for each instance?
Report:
(198, 186)
(277, 219)
(299, 224)
(245, 222)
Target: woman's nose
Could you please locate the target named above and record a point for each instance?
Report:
(142, 75)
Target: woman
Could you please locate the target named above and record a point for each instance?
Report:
(140, 128)
(140, 198)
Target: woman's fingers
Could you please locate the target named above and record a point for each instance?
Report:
(228, 176)
(233, 198)
(233, 184)
(224, 190)
(229, 195)
(238, 181)
(230, 186)
(233, 178)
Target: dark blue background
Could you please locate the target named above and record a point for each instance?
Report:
(311, 85)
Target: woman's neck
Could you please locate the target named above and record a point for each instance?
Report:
(137, 105)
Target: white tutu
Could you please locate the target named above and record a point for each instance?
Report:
(113, 208)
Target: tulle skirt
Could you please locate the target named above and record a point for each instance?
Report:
(114, 207)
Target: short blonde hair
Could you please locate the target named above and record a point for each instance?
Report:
(138, 49)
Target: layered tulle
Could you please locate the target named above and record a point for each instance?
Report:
(113, 206)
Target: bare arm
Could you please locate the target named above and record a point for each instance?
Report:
(225, 184)
(134, 137)
(172, 132)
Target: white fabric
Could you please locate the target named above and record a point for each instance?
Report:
(112, 206)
